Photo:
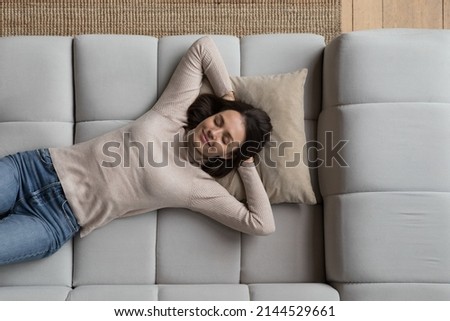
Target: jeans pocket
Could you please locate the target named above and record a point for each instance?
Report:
(44, 156)
(70, 217)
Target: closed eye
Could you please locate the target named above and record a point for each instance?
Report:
(218, 121)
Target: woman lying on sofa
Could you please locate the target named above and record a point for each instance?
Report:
(48, 195)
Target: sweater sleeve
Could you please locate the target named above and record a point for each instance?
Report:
(202, 59)
(214, 201)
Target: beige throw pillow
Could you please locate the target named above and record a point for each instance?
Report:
(282, 163)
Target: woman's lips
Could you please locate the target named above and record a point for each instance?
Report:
(204, 138)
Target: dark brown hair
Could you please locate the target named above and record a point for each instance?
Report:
(257, 129)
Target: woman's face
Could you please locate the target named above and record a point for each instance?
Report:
(219, 134)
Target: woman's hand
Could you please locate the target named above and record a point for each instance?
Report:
(229, 96)
(249, 161)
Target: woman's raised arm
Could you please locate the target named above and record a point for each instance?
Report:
(255, 217)
(202, 59)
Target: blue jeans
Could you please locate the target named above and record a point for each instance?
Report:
(36, 219)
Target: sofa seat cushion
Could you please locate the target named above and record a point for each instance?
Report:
(34, 293)
(253, 292)
(204, 292)
(293, 292)
(392, 237)
(114, 293)
(394, 291)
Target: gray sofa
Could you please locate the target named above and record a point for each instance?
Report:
(379, 231)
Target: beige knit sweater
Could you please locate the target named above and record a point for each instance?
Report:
(155, 170)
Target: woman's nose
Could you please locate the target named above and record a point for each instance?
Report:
(215, 133)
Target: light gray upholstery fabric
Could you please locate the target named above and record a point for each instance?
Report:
(55, 271)
(391, 147)
(122, 252)
(171, 49)
(24, 135)
(393, 291)
(204, 292)
(34, 293)
(384, 66)
(114, 293)
(90, 129)
(388, 237)
(192, 248)
(36, 93)
(293, 292)
(296, 255)
(386, 210)
(115, 76)
(115, 81)
(36, 77)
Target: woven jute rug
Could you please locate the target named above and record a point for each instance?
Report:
(169, 17)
